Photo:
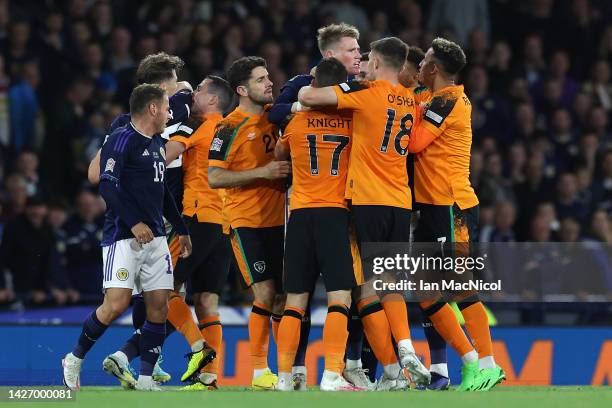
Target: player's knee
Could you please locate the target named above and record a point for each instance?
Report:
(339, 296)
(116, 307)
(208, 303)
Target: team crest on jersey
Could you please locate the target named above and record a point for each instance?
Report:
(122, 274)
(260, 266)
(162, 151)
(110, 165)
(216, 144)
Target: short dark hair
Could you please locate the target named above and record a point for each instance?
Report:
(156, 68)
(415, 55)
(143, 95)
(329, 72)
(220, 87)
(392, 50)
(449, 54)
(240, 71)
(329, 35)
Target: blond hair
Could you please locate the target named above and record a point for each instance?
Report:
(329, 35)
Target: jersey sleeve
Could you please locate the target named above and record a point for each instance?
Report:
(180, 106)
(112, 156)
(186, 133)
(223, 147)
(353, 95)
(439, 113)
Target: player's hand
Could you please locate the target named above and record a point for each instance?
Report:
(185, 243)
(277, 169)
(142, 233)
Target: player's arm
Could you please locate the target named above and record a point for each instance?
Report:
(430, 125)
(93, 172)
(173, 150)
(219, 177)
(311, 97)
(287, 103)
(172, 214)
(221, 154)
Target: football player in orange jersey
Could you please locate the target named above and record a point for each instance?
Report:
(378, 181)
(241, 160)
(317, 238)
(447, 202)
(208, 268)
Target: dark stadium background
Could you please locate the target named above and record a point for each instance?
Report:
(539, 77)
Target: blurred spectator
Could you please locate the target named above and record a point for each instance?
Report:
(120, 57)
(15, 199)
(569, 230)
(600, 86)
(24, 252)
(104, 80)
(348, 12)
(505, 216)
(602, 188)
(567, 203)
(462, 17)
(499, 66)
(600, 228)
(24, 108)
(27, 166)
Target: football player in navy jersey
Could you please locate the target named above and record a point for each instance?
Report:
(135, 252)
(161, 69)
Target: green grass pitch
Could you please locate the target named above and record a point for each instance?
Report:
(514, 397)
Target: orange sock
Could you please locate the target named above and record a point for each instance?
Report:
(276, 319)
(446, 324)
(259, 334)
(477, 326)
(377, 330)
(289, 338)
(180, 316)
(397, 314)
(212, 331)
(335, 335)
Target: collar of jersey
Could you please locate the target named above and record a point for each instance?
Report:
(139, 132)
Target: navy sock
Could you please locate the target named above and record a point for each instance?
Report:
(139, 311)
(93, 329)
(300, 355)
(437, 345)
(131, 348)
(152, 337)
(368, 360)
(354, 343)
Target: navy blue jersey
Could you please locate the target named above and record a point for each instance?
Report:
(136, 164)
(180, 109)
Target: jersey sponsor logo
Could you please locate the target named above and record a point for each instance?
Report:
(260, 266)
(110, 165)
(216, 144)
(345, 87)
(145, 153)
(251, 136)
(434, 116)
(122, 274)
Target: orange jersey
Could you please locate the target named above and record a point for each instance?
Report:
(442, 169)
(383, 115)
(244, 141)
(198, 198)
(320, 143)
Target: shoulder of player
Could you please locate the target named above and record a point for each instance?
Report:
(119, 121)
(120, 138)
(188, 127)
(444, 104)
(355, 86)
